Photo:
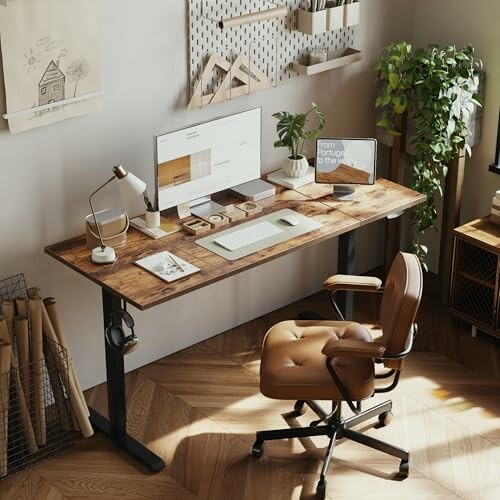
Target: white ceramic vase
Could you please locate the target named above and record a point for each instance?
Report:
(296, 168)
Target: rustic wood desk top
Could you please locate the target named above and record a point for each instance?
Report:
(144, 290)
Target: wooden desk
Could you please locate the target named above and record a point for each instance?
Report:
(123, 281)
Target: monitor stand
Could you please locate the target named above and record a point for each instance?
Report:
(344, 192)
(205, 206)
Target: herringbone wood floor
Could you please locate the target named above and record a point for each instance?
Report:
(199, 409)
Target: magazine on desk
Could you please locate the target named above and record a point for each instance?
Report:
(167, 266)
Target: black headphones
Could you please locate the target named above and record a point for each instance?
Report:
(116, 336)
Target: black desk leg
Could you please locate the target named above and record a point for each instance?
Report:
(116, 427)
(346, 265)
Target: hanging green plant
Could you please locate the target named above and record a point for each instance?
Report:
(436, 87)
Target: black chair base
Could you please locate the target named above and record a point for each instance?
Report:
(337, 428)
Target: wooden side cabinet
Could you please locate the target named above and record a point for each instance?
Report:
(475, 277)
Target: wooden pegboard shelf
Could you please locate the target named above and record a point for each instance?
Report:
(348, 56)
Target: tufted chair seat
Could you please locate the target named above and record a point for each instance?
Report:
(293, 364)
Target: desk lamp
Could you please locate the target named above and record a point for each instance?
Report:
(130, 187)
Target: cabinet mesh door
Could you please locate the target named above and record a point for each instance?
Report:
(473, 291)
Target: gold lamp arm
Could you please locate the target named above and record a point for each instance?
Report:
(93, 211)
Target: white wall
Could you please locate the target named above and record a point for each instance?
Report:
(47, 174)
(463, 22)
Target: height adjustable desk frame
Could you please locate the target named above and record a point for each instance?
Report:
(125, 282)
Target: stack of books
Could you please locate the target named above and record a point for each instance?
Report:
(495, 208)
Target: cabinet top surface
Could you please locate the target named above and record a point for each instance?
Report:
(483, 232)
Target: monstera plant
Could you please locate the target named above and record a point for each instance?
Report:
(293, 131)
(436, 86)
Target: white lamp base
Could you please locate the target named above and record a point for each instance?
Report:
(104, 255)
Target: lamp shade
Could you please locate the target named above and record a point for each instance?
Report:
(130, 187)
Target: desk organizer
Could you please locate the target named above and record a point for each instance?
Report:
(250, 207)
(217, 219)
(197, 226)
(36, 421)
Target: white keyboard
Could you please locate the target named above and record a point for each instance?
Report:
(248, 235)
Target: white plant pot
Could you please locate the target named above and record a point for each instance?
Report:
(295, 168)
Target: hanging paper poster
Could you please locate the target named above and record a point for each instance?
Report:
(51, 61)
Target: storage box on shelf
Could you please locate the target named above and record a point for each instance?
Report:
(329, 19)
(334, 18)
(311, 23)
(352, 14)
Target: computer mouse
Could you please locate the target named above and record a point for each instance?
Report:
(291, 220)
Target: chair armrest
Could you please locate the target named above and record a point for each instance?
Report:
(353, 349)
(353, 283)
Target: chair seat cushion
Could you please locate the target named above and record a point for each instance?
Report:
(293, 366)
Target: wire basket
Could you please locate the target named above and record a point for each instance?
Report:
(36, 421)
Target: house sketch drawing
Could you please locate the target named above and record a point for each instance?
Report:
(51, 86)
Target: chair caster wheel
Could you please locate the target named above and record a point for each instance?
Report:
(300, 407)
(404, 469)
(258, 449)
(385, 418)
(321, 490)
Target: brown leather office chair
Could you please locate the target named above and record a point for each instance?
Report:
(335, 360)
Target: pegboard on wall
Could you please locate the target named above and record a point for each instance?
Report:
(273, 45)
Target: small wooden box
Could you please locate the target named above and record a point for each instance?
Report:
(217, 219)
(250, 207)
(235, 214)
(197, 226)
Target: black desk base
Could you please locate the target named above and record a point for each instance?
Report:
(116, 427)
(127, 443)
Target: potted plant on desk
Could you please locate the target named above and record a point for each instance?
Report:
(292, 134)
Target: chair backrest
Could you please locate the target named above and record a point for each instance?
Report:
(402, 294)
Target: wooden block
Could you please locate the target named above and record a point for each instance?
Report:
(197, 226)
(217, 219)
(234, 214)
(250, 207)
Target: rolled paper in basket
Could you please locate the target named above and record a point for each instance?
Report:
(50, 304)
(60, 400)
(79, 411)
(33, 292)
(35, 306)
(21, 334)
(8, 312)
(21, 399)
(5, 355)
(21, 306)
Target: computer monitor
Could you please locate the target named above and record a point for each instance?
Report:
(195, 162)
(345, 163)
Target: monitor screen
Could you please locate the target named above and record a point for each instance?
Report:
(346, 161)
(209, 157)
